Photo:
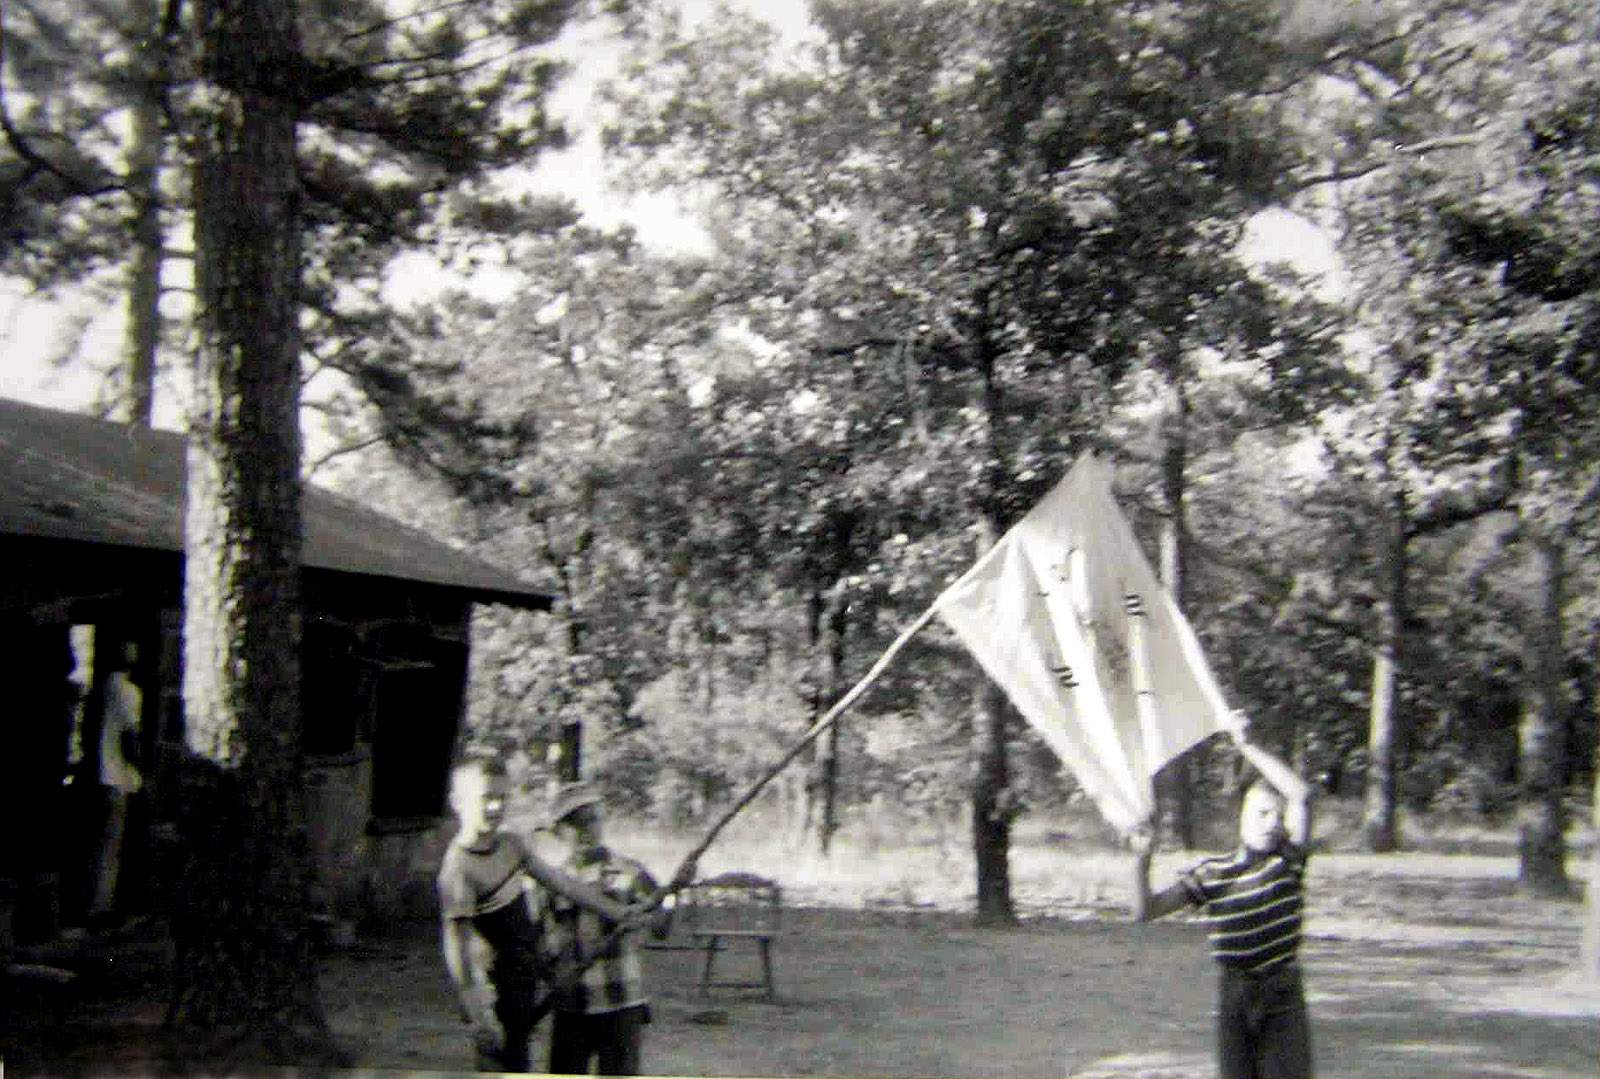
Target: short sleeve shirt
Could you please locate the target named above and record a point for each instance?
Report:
(489, 884)
(121, 717)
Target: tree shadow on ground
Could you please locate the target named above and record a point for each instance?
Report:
(926, 994)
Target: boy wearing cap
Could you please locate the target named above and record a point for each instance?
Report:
(1252, 900)
(600, 1019)
(493, 893)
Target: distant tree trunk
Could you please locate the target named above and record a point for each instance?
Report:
(248, 971)
(1591, 919)
(144, 186)
(834, 620)
(993, 803)
(1175, 783)
(568, 730)
(1378, 817)
(991, 807)
(1541, 847)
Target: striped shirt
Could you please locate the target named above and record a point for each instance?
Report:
(614, 981)
(1252, 901)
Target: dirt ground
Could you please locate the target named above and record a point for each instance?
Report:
(1407, 976)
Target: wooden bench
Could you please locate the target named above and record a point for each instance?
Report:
(720, 911)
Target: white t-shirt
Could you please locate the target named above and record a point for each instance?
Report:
(122, 714)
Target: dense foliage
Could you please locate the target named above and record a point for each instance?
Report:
(934, 278)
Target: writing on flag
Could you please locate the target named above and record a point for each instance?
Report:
(1046, 612)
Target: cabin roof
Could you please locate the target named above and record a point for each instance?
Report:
(67, 476)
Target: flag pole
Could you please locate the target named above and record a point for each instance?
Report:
(1144, 696)
(569, 976)
(823, 722)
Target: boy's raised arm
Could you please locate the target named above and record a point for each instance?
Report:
(1296, 791)
(580, 892)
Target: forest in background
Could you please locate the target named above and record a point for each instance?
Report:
(942, 270)
(952, 245)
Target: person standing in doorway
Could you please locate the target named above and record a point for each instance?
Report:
(120, 777)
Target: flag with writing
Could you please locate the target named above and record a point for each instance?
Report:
(1059, 613)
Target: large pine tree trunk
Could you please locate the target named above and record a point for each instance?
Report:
(1541, 847)
(248, 973)
(143, 333)
(1378, 816)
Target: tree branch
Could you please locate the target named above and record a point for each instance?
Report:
(1416, 149)
(36, 161)
(332, 79)
(341, 451)
(388, 24)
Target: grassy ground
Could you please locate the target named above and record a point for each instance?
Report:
(1418, 965)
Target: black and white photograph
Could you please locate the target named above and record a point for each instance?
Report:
(835, 539)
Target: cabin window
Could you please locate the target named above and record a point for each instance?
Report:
(331, 691)
(418, 709)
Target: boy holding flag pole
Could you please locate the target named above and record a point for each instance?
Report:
(1253, 901)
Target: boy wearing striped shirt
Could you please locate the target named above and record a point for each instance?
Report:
(1252, 900)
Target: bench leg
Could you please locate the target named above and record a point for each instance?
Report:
(766, 968)
(705, 973)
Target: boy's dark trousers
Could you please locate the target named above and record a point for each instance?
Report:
(514, 1007)
(612, 1039)
(1263, 1031)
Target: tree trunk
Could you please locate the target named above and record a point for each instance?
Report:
(1591, 918)
(1378, 817)
(832, 647)
(1542, 742)
(569, 730)
(144, 186)
(247, 972)
(1175, 783)
(993, 804)
(991, 807)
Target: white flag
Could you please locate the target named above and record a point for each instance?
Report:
(1046, 613)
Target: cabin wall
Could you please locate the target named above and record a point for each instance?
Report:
(385, 692)
(384, 665)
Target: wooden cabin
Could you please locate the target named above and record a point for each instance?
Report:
(91, 533)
